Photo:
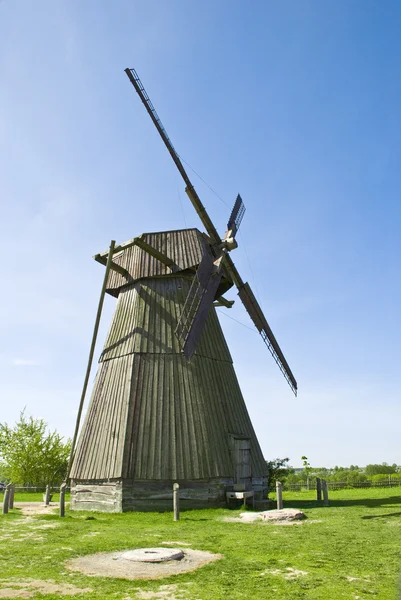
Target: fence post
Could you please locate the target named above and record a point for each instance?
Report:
(11, 497)
(325, 493)
(318, 489)
(176, 501)
(62, 499)
(279, 494)
(6, 499)
(47, 495)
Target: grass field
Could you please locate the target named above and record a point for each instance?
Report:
(351, 549)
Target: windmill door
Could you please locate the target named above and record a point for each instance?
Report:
(242, 457)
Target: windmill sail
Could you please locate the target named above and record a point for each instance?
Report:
(200, 298)
(236, 215)
(202, 292)
(257, 316)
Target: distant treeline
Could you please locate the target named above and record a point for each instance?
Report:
(279, 469)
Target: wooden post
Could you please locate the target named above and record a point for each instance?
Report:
(279, 494)
(325, 493)
(47, 495)
(11, 497)
(6, 499)
(318, 489)
(91, 352)
(62, 499)
(176, 501)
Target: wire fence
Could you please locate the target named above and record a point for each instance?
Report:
(34, 489)
(340, 485)
(289, 487)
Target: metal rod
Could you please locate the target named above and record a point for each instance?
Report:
(91, 352)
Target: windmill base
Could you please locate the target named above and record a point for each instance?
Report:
(156, 496)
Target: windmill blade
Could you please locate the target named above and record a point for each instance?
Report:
(236, 216)
(257, 316)
(190, 190)
(200, 298)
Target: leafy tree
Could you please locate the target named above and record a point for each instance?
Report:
(307, 469)
(29, 454)
(278, 469)
(382, 469)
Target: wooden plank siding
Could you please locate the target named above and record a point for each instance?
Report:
(185, 247)
(154, 417)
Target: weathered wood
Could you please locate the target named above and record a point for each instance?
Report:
(11, 498)
(141, 243)
(166, 260)
(91, 352)
(62, 499)
(318, 489)
(114, 267)
(154, 416)
(6, 499)
(325, 493)
(47, 495)
(279, 494)
(221, 301)
(176, 501)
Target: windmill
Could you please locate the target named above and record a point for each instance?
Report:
(166, 405)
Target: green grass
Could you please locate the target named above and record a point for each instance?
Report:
(358, 536)
(35, 497)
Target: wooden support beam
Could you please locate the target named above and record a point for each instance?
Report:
(140, 242)
(221, 301)
(113, 266)
(163, 258)
(91, 352)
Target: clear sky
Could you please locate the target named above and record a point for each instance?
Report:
(296, 105)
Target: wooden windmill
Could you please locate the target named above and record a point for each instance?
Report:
(166, 405)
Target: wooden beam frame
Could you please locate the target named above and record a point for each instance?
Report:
(221, 301)
(140, 242)
(113, 266)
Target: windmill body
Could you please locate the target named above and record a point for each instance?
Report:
(156, 418)
(166, 405)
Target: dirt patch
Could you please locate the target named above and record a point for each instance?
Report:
(113, 564)
(288, 573)
(28, 588)
(36, 508)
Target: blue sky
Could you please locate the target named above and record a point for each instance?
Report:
(296, 105)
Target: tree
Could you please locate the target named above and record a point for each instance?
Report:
(383, 469)
(307, 469)
(29, 454)
(278, 469)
